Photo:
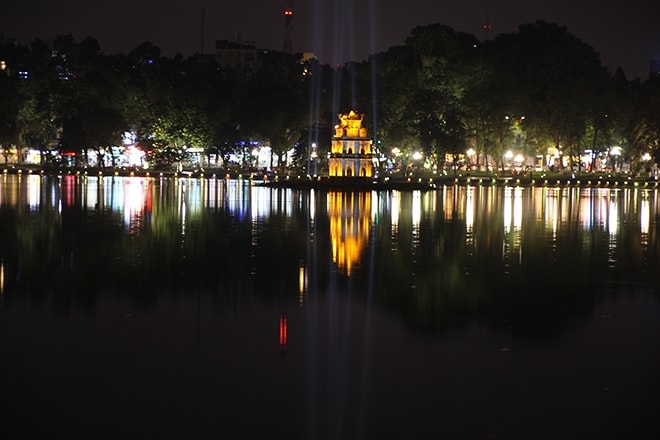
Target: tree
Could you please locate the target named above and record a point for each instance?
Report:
(556, 77)
(427, 82)
(273, 106)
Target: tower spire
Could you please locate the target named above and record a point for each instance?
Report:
(288, 29)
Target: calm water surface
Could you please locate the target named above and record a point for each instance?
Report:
(157, 308)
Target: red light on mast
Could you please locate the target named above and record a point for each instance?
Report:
(288, 12)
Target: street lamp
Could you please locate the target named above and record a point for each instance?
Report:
(615, 152)
(470, 154)
(314, 157)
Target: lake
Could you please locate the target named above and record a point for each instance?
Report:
(209, 308)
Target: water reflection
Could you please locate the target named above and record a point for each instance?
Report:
(452, 247)
(350, 221)
(342, 307)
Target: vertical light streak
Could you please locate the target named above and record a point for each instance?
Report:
(644, 217)
(302, 283)
(395, 208)
(517, 208)
(416, 208)
(586, 209)
(133, 198)
(2, 280)
(469, 209)
(613, 217)
(507, 211)
(34, 191)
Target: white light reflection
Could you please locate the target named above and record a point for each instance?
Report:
(34, 191)
(513, 207)
(507, 209)
(133, 198)
(260, 202)
(312, 205)
(586, 209)
(552, 211)
(469, 209)
(193, 195)
(374, 206)
(645, 217)
(613, 217)
(396, 208)
(612, 227)
(416, 208)
(469, 220)
(517, 208)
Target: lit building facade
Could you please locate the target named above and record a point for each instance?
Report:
(350, 153)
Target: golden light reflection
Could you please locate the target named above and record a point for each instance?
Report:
(349, 227)
(2, 280)
(302, 283)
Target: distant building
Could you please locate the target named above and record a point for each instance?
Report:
(236, 55)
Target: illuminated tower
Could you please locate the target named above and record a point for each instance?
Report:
(350, 153)
(288, 30)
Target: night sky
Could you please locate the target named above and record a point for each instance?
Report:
(625, 33)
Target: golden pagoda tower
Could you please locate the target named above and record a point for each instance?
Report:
(350, 154)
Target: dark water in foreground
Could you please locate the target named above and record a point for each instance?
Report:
(134, 308)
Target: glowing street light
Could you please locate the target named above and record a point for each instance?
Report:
(314, 156)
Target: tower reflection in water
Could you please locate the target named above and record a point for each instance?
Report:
(349, 215)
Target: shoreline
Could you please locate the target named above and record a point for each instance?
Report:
(356, 183)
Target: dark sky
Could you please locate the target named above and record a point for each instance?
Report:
(625, 32)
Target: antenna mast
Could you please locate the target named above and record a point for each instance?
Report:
(201, 31)
(288, 29)
(487, 27)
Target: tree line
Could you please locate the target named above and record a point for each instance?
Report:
(441, 92)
